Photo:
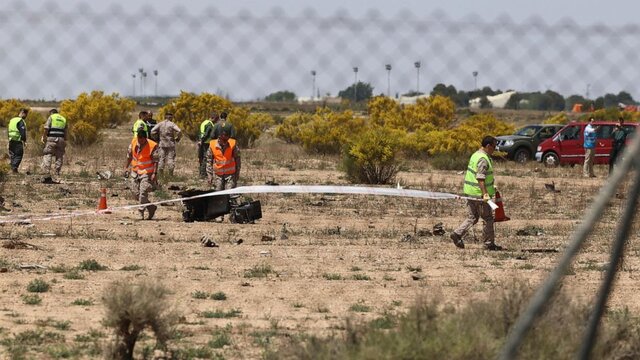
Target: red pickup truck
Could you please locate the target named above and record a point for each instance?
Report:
(566, 146)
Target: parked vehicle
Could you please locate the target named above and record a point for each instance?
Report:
(566, 147)
(522, 145)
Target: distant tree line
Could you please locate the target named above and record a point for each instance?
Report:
(547, 101)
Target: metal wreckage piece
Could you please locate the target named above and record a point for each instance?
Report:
(212, 207)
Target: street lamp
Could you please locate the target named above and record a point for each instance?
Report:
(417, 65)
(134, 84)
(587, 94)
(313, 84)
(355, 85)
(388, 67)
(141, 70)
(155, 73)
(475, 80)
(144, 78)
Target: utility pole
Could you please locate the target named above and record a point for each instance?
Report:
(155, 73)
(388, 67)
(355, 85)
(141, 70)
(313, 84)
(417, 64)
(134, 84)
(475, 80)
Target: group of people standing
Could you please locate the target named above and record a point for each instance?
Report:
(54, 139)
(154, 146)
(619, 138)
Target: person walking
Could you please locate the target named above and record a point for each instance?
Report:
(223, 123)
(151, 123)
(54, 138)
(142, 158)
(169, 134)
(223, 161)
(17, 132)
(204, 137)
(619, 134)
(479, 184)
(141, 122)
(589, 145)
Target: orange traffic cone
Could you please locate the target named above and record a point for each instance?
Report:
(102, 203)
(500, 215)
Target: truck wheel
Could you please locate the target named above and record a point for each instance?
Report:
(522, 156)
(551, 159)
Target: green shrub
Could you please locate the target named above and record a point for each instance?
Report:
(38, 286)
(91, 265)
(83, 134)
(82, 302)
(133, 307)
(371, 158)
(5, 169)
(199, 295)
(249, 126)
(189, 110)
(220, 296)
(258, 271)
(32, 299)
(221, 314)
(73, 275)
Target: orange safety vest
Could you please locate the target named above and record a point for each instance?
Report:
(223, 163)
(142, 162)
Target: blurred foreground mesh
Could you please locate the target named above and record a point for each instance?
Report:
(54, 52)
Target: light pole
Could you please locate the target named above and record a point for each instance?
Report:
(588, 86)
(141, 70)
(417, 64)
(155, 73)
(475, 80)
(388, 67)
(144, 83)
(355, 84)
(313, 84)
(134, 84)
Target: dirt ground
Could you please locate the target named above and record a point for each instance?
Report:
(330, 252)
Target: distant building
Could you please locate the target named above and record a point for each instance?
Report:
(497, 101)
(411, 100)
(324, 99)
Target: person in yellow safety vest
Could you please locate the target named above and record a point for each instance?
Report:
(205, 135)
(141, 122)
(17, 132)
(142, 157)
(54, 138)
(223, 161)
(479, 184)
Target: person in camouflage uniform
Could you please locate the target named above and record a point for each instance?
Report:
(142, 157)
(54, 138)
(168, 134)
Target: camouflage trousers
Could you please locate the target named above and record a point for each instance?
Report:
(54, 150)
(477, 209)
(224, 182)
(167, 158)
(141, 186)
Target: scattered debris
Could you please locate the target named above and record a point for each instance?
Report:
(335, 231)
(283, 232)
(17, 244)
(4, 270)
(207, 242)
(424, 232)
(521, 257)
(271, 182)
(317, 203)
(162, 233)
(245, 283)
(114, 194)
(551, 187)
(104, 175)
(530, 230)
(239, 241)
(168, 204)
(268, 238)
(51, 234)
(15, 204)
(417, 276)
(548, 250)
(174, 187)
(265, 253)
(49, 181)
(31, 266)
(64, 191)
(438, 229)
(407, 238)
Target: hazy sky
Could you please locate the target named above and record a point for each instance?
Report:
(54, 56)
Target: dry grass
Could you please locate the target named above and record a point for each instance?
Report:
(339, 251)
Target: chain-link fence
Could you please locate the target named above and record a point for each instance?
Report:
(54, 52)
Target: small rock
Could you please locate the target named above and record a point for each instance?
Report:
(407, 238)
(271, 182)
(424, 232)
(207, 242)
(265, 253)
(162, 233)
(438, 229)
(417, 276)
(239, 241)
(174, 187)
(4, 270)
(245, 283)
(268, 238)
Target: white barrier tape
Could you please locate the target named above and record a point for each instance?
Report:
(258, 189)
